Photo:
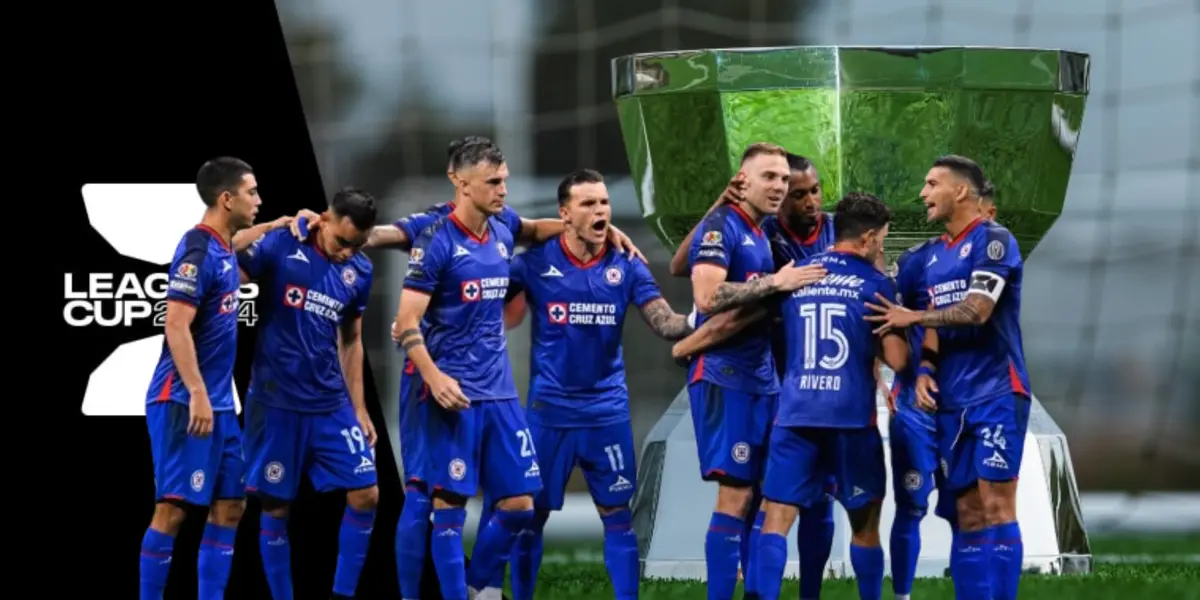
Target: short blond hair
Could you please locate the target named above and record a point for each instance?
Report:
(759, 148)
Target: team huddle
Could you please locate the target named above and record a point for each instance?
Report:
(794, 315)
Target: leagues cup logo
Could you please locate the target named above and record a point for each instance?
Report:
(143, 222)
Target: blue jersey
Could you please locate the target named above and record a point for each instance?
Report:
(577, 367)
(415, 223)
(307, 298)
(979, 363)
(910, 286)
(787, 245)
(466, 277)
(830, 378)
(729, 239)
(204, 275)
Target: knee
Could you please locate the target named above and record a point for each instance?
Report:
(908, 510)
(168, 517)
(609, 511)
(274, 507)
(864, 524)
(443, 500)
(227, 513)
(999, 503)
(364, 500)
(969, 511)
(734, 499)
(516, 504)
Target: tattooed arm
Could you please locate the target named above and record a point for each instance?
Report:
(665, 322)
(712, 294)
(975, 309)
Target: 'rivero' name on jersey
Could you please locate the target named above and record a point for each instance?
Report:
(577, 367)
(306, 299)
(987, 361)
(830, 376)
(728, 238)
(202, 275)
(466, 277)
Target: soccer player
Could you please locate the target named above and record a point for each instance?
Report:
(801, 229)
(578, 404)
(826, 421)
(195, 438)
(973, 275)
(475, 433)
(912, 433)
(306, 413)
(733, 388)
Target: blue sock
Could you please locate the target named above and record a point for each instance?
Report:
(527, 557)
(412, 530)
(447, 550)
(868, 571)
(216, 560)
(749, 551)
(905, 547)
(722, 547)
(621, 554)
(814, 542)
(497, 580)
(155, 563)
(769, 563)
(1008, 555)
(494, 544)
(353, 541)
(969, 565)
(276, 556)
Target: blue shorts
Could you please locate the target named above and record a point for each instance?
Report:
(412, 423)
(283, 444)
(486, 446)
(912, 435)
(196, 470)
(802, 460)
(984, 441)
(604, 454)
(732, 429)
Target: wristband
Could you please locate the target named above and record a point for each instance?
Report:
(925, 370)
(930, 356)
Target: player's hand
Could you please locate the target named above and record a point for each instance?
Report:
(891, 315)
(367, 427)
(310, 219)
(618, 238)
(790, 277)
(200, 414)
(926, 388)
(735, 192)
(395, 332)
(446, 392)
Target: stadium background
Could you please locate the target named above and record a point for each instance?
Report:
(1112, 299)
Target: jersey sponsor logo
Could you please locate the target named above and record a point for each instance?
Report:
(312, 301)
(109, 299)
(620, 485)
(711, 238)
(747, 240)
(416, 256)
(948, 292)
(552, 272)
(299, 255)
(613, 276)
(470, 290)
(460, 251)
(601, 314)
(488, 288)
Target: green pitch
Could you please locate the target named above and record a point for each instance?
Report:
(1128, 568)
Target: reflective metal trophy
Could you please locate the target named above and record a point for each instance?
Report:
(871, 120)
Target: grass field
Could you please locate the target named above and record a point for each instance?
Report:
(1128, 568)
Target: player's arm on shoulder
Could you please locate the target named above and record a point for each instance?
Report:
(679, 262)
(187, 285)
(400, 235)
(245, 237)
(716, 330)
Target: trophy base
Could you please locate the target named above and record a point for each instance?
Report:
(673, 506)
